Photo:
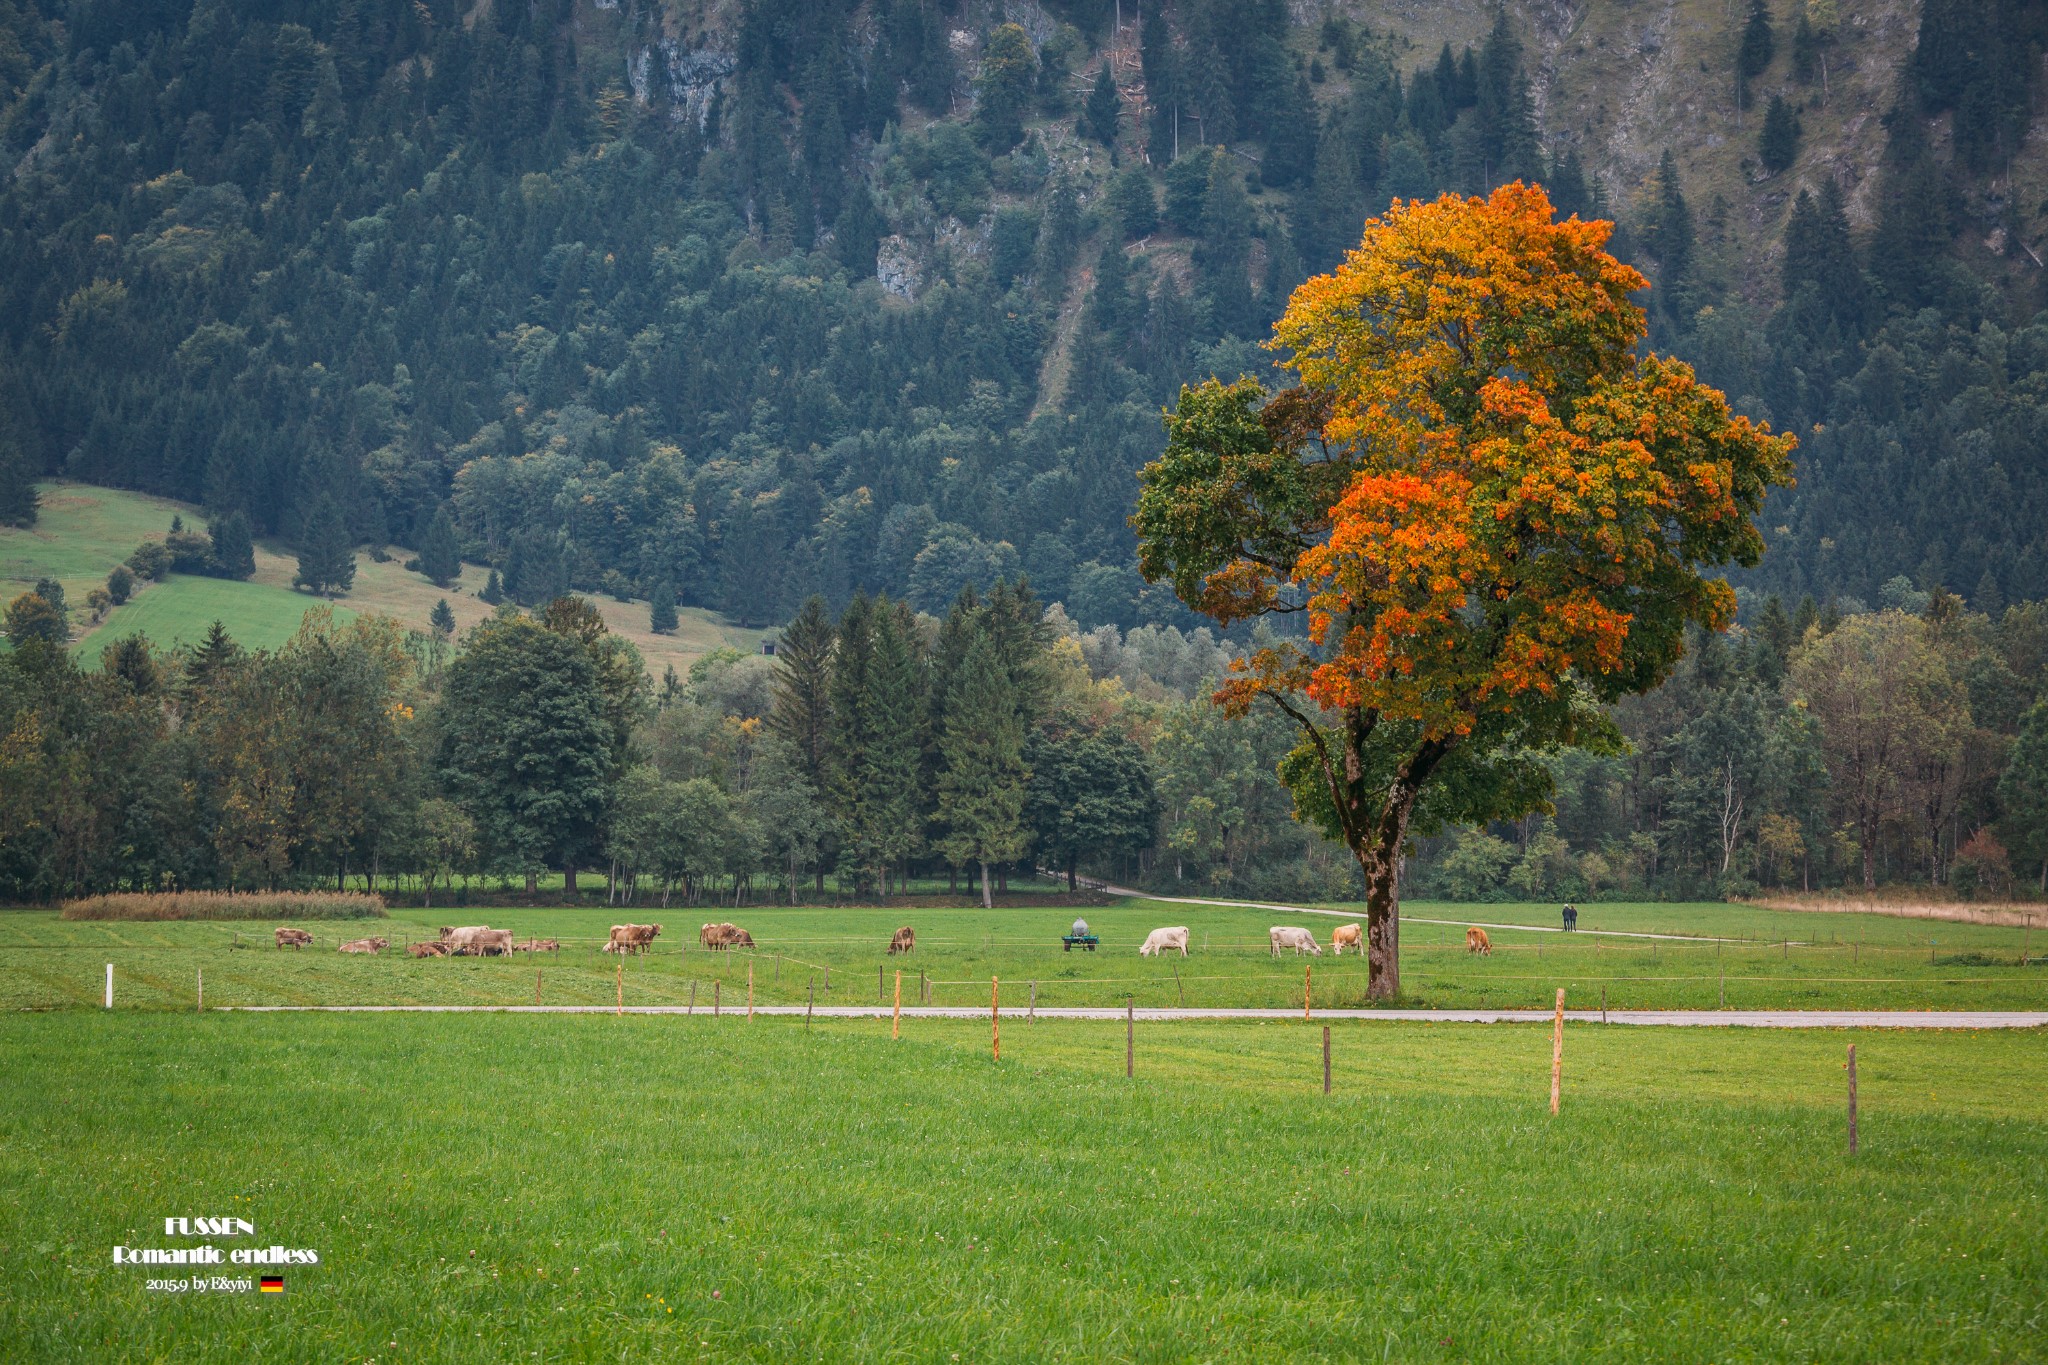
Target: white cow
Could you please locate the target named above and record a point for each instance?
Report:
(1163, 940)
(1292, 936)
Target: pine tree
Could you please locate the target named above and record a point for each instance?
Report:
(18, 497)
(51, 591)
(1805, 49)
(1008, 69)
(1157, 60)
(661, 609)
(443, 619)
(1329, 217)
(1222, 258)
(327, 561)
(1753, 55)
(1131, 204)
(1820, 253)
(982, 776)
(801, 713)
(234, 546)
(440, 553)
(1777, 146)
(1291, 137)
(211, 662)
(1671, 233)
(1567, 186)
(1099, 116)
(1187, 186)
(493, 591)
(2023, 792)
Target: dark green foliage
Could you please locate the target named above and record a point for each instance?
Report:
(661, 610)
(1805, 49)
(877, 710)
(524, 743)
(440, 554)
(18, 496)
(1222, 254)
(1008, 70)
(327, 558)
(120, 583)
(51, 591)
(1090, 795)
(981, 776)
(1187, 187)
(1753, 53)
(1669, 235)
(1100, 115)
(443, 619)
(1132, 205)
(1777, 145)
(493, 591)
(232, 546)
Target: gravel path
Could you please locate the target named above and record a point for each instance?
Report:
(1914, 1019)
(1408, 919)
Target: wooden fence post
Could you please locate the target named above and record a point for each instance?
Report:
(202, 990)
(1852, 1099)
(110, 985)
(810, 1000)
(995, 1016)
(881, 985)
(2026, 940)
(750, 992)
(1557, 1052)
(1031, 1015)
(536, 988)
(896, 1019)
(693, 998)
(1308, 975)
(1721, 974)
(714, 998)
(1603, 1004)
(622, 987)
(1326, 1059)
(1130, 1038)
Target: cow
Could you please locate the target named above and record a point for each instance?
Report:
(373, 946)
(632, 938)
(461, 939)
(904, 941)
(538, 945)
(1347, 936)
(724, 936)
(492, 943)
(1165, 940)
(737, 937)
(1476, 941)
(427, 949)
(1292, 936)
(292, 938)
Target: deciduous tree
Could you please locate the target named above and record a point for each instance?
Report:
(1493, 509)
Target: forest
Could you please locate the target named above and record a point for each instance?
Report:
(868, 327)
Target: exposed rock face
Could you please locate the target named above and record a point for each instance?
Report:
(690, 77)
(896, 267)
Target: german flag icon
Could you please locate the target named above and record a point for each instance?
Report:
(272, 1284)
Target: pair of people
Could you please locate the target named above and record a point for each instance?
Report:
(1571, 919)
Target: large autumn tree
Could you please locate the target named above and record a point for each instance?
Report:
(1493, 510)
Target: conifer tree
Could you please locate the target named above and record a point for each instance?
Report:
(1777, 146)
(1671, 232)
(1132, 205)
(1291, 137)
(234, 546)
(211, 661)
(661, 609)
(18, 497)
(1008, 70)
(1820, 253)
(801, 713)
(1157, 60)
(493, 591)
(2023, 792)
(982, 776)
(1753, 55)
(1327, 217)
(440, 554)
(1187, 186)
(443, 619)
(327, 561)
(1222, 257)
(1100, 114)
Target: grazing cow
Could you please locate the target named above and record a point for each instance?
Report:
(372, 946)
(1292, 936)
(492, 943)
(461, 940)
(1476, 941)
(633, 938)
(1165, 940)
(1347, 936)
(293, 938)
(904, 941)
(427, 949)
(724, 936)
(738, 937)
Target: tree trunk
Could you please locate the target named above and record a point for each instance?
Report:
(987, 901)
(532, 885)
(569, 880)
(1073, 882)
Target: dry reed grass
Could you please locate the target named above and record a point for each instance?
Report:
(1915, 905)
(184, 905)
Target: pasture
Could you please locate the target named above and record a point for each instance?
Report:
(496, 1187)
(1704, 956)
(84, 531)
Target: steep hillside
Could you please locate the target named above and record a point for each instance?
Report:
(751, 300)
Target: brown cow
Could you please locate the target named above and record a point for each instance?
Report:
(1476, 941)
(292, 938)
(632, 938)
(1347, 936)
(727, 935)
(905, 940)
(372, 946)
(427, 949)
(538, 945)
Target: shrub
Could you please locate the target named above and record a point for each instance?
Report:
(151, 559)
(190, 552)
(120, 583)
(179, 905)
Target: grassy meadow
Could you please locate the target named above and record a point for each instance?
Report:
(1750, 958)
(499, 1187)
(83, 531)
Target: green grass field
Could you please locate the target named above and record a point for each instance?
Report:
(83, 531)
(1763, 959)
(494, 1188)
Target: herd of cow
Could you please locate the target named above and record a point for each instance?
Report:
(479, 940)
